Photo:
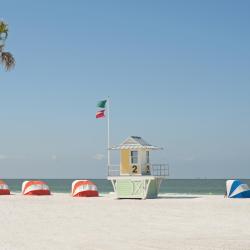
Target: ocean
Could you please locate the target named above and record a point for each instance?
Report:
(172, 186)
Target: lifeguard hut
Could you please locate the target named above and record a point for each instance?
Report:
(136, 176)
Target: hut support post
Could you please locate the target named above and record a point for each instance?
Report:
(146, 185)
(113, 181)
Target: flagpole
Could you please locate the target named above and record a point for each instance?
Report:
(108, 132)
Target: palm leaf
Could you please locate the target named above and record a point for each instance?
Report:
(3, 30)
(7, 60)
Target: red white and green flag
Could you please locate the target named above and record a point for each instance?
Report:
(100, 114)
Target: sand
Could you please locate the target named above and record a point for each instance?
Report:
(174, 222)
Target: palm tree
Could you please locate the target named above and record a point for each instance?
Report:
(6, 58)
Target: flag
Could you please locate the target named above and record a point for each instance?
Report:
(101, 104)
(100, 114)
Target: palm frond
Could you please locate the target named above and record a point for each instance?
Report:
(3, 30)
(7, 60)
(3, 27)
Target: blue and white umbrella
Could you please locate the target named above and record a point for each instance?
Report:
(237, 189)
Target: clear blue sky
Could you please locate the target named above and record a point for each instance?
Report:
(178, 73)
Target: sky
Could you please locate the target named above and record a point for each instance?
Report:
(177, 73)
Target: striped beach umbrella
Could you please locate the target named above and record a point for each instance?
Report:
(4, 189)
(237, 189)
(84, 188)
(35, 188)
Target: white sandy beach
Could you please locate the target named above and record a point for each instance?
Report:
(62, 222)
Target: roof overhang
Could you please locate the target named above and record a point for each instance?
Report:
(135, 143)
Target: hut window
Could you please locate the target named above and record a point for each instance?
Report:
(147, 156)
(134, 157)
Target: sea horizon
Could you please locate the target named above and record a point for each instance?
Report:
(169, 186)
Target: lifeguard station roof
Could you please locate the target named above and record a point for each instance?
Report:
(135, 142)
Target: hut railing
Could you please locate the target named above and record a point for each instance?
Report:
(160, 170)
(114, 170)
